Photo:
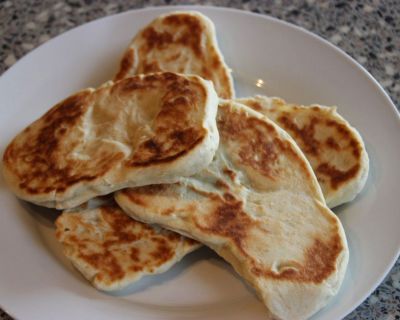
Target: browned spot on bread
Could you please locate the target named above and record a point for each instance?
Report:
(260, 156)
(206, 73)
(259, 143)
(105, 261)
(120, 224)
(231, 174)
(126, 64)
(168, 211)
(140, 195)
(155, 155)
(254, 105)
(337, 177)
(192, 241)
(135, 254)
(229, 197)
(173, 134)
(314, 148)
(227, 220)
(162, 252)
(346, 135)
(216, 62)
(320, 262)
(151, 189)
(156, 39)
(331, 143)
(356, 148)
(321, 258)
(136, 268)
(191, 35)
(150, 67)
(127, 85)
(113, 243)
(174, 57)
(174, 236)
(306, 134)
(221, 184)
(41, 151)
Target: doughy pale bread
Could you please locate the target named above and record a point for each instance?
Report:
(182, 42)
(112, 250)
(259, 206)
(333, 147)
(141, 130)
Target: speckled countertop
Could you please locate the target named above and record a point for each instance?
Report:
(367, 30)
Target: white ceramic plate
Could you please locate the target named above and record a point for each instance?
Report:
(36, 282)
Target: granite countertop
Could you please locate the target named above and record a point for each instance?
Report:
(369, 31)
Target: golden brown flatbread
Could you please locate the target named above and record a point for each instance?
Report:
(333, 147)
(258, 205)
(182, 42)
(141, 130)
(112, 250)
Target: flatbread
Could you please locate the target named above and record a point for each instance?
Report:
(259, 206)
(113, 251)
(333, 147)
(141, 130)
(182, 42)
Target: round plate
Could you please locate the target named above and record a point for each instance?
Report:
(36, 280)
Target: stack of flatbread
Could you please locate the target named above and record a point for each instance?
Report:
(189, 164)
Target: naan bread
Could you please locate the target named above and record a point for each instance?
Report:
(112, 250)
(333, 147)
(182, 42)
(141, 130)
(259, 206)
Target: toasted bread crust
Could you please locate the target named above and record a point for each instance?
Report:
(182, 42)
(260, 147)
(260, 207)
(112, 250)
(37, 173)
(137, 123)
(334, 148)
(250, 135)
